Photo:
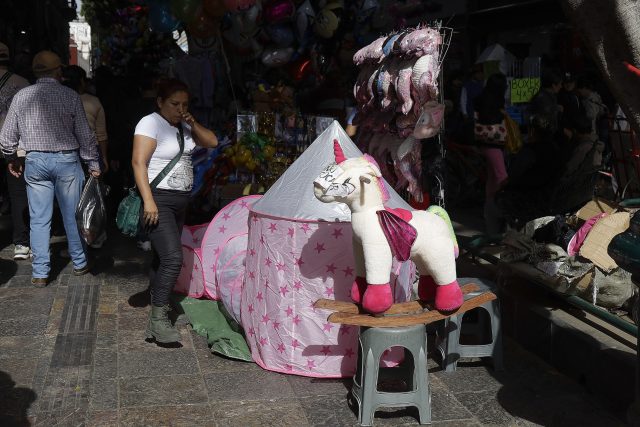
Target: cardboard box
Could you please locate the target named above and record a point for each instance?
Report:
(595, 207)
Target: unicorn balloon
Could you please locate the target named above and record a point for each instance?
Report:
(380, 233)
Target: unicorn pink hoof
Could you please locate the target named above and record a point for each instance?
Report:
(358, 288)
(377, 298)
(448, 297)
(427, 288)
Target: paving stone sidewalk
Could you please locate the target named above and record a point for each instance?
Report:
(74, 354)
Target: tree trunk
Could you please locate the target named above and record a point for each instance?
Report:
(611, 30)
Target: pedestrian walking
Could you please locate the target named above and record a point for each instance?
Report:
(47, 120)
(162, 147)
(10, 84)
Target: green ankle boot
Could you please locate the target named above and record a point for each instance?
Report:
(160, 326)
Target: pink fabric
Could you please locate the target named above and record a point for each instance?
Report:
(399, 233)
(191, 279)
(578, 239)
(289, 266)
(403, 214)
(496, 169)
(222, 240)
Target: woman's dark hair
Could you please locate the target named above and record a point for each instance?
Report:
(74, 76)
(489, 103)
(168, 87)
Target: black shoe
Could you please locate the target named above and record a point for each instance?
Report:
(84, 270)
(40, 282)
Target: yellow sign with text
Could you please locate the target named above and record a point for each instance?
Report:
(522, 90)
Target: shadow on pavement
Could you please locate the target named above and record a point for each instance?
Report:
(14, 402)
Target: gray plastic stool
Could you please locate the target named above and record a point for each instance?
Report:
(448, 331)
(373, 342)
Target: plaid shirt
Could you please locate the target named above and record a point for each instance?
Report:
(48, 116)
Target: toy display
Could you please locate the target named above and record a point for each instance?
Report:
(299, 250)
(381, 234)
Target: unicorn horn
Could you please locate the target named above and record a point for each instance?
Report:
(337, 152)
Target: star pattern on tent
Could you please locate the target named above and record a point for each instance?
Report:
(349, 353)
(284, 290)
(252, 331)
(281, 348)
(250, 308)
(348, 271)
(295, 343)
(288, 367)
(216, 251)
(305, 227)
(226, 216)
(259, 296)
(289, 311)
(328, 291)
(326, 350)
(252, 275)
(296, 320)
(310, 364)
(255, 218)
(337, 232)
(344, 330)
(263, 341)
(327, 327)
(297, 285)
(331, 268)
(252, 252)
(267, 262)
(319, 247)
(290, 232)
(244, 204)
(280, 266)
(265, 319)
(276, 325)
(222, 229)
(273, 227)
(299, 261)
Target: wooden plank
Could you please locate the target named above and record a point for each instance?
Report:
(403, 307)
(391, 321)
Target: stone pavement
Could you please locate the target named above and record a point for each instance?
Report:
(74, 354)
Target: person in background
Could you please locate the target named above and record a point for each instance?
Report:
(470, 91)
(490, 133)
(591, 101)
(569, 101)
(545, 103)
(76, 79)
(156, 142)
(583, 142)
(10, 84)
(54, 138)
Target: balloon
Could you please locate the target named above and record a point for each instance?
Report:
(160, 18)
(214, 8)
(203, 26)
(327, 21)
(275, 57)
(281, 35)
(277, 11)
(304, 16)
(238, 5)
(185, 10)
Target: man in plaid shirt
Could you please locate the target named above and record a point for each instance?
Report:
(47, 120)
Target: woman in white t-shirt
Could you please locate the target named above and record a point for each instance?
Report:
(155, 143)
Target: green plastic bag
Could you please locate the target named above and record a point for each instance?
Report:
(128, 217)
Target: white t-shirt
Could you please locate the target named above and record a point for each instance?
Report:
(180, 178)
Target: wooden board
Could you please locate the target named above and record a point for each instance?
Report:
(396, 320)
(403, 307)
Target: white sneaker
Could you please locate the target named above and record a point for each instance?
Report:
(21, 252)
(145, 245)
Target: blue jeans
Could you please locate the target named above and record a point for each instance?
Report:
(49, 174)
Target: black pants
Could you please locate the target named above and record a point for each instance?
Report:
(19, 209)
(166, 243)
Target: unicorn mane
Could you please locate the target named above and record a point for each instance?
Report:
(384, 192)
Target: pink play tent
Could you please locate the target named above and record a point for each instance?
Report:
(191, 279)
(299, 250)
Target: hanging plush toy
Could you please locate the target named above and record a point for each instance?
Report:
(380, 233)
